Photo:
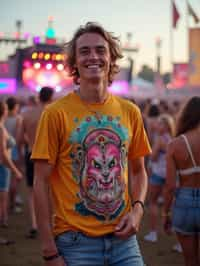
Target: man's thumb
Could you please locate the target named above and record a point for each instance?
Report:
(122, 223)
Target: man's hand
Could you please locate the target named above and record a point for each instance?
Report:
(56, 262)
(129, 223)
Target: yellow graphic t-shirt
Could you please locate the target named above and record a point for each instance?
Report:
(89, 146)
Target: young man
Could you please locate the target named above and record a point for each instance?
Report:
(83, 145)
(26, 137)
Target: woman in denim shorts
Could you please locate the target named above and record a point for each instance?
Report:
(183, 158)
(6, 164)
(165, 129)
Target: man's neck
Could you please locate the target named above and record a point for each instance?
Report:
(43, 104)
(93, 92)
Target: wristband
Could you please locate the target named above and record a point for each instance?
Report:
(140, 202)
(52, 257)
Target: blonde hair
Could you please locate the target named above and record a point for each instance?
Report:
(169, 121)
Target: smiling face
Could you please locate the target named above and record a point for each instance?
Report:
(92, 57)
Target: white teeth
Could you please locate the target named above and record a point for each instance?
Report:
(93, 66)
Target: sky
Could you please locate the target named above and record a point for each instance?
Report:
(145, 20)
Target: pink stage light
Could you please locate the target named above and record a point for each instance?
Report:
(35, 78)
(27, 64)
(7, 85)
(28, 74)
(16, 35)
(27, 35)
(119, 87)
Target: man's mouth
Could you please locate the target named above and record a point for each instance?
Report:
(94, 66)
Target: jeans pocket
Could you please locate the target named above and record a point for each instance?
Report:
(68, 239)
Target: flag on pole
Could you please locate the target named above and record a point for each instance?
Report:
(193, 14)
(175, 14)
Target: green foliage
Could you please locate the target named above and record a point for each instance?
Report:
(146, 73)
(166, 77)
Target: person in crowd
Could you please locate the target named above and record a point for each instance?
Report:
(26, 139)
(152, 121)
(83, 144)
(182, 203)
(166, 130)
(31, 102)
(6, 242)
(12, 124)
(7, 166)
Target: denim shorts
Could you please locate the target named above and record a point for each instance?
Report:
(4, 178)
(14, 153)
(78, 249)
(157, 180)
(186, 211)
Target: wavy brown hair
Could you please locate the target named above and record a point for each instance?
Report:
(2, 108)
(113, 42)
(169, 122)
(189, 116)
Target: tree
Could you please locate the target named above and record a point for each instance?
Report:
(166, 77)
(146, 73)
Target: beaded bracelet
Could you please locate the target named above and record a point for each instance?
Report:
(140, 202)
(52, 257)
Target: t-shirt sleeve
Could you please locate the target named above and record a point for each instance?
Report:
(139, 145)
(46, 143)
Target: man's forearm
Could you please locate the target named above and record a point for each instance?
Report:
(41, 197)
(139, 185)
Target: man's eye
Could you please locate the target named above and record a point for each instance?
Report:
(84, 52)
(101, 51)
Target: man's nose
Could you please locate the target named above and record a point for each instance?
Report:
(93, 54)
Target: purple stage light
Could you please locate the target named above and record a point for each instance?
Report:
(120, 87)
(7, 85)
(36, 39)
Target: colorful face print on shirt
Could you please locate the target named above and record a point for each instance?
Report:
(98, 165)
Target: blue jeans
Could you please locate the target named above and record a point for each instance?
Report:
(186, 211)
(78, 249)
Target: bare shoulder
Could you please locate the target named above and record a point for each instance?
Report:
(2, 132)
(174, 145)
(177, 148)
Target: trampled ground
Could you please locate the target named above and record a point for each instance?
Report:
(26, 252)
